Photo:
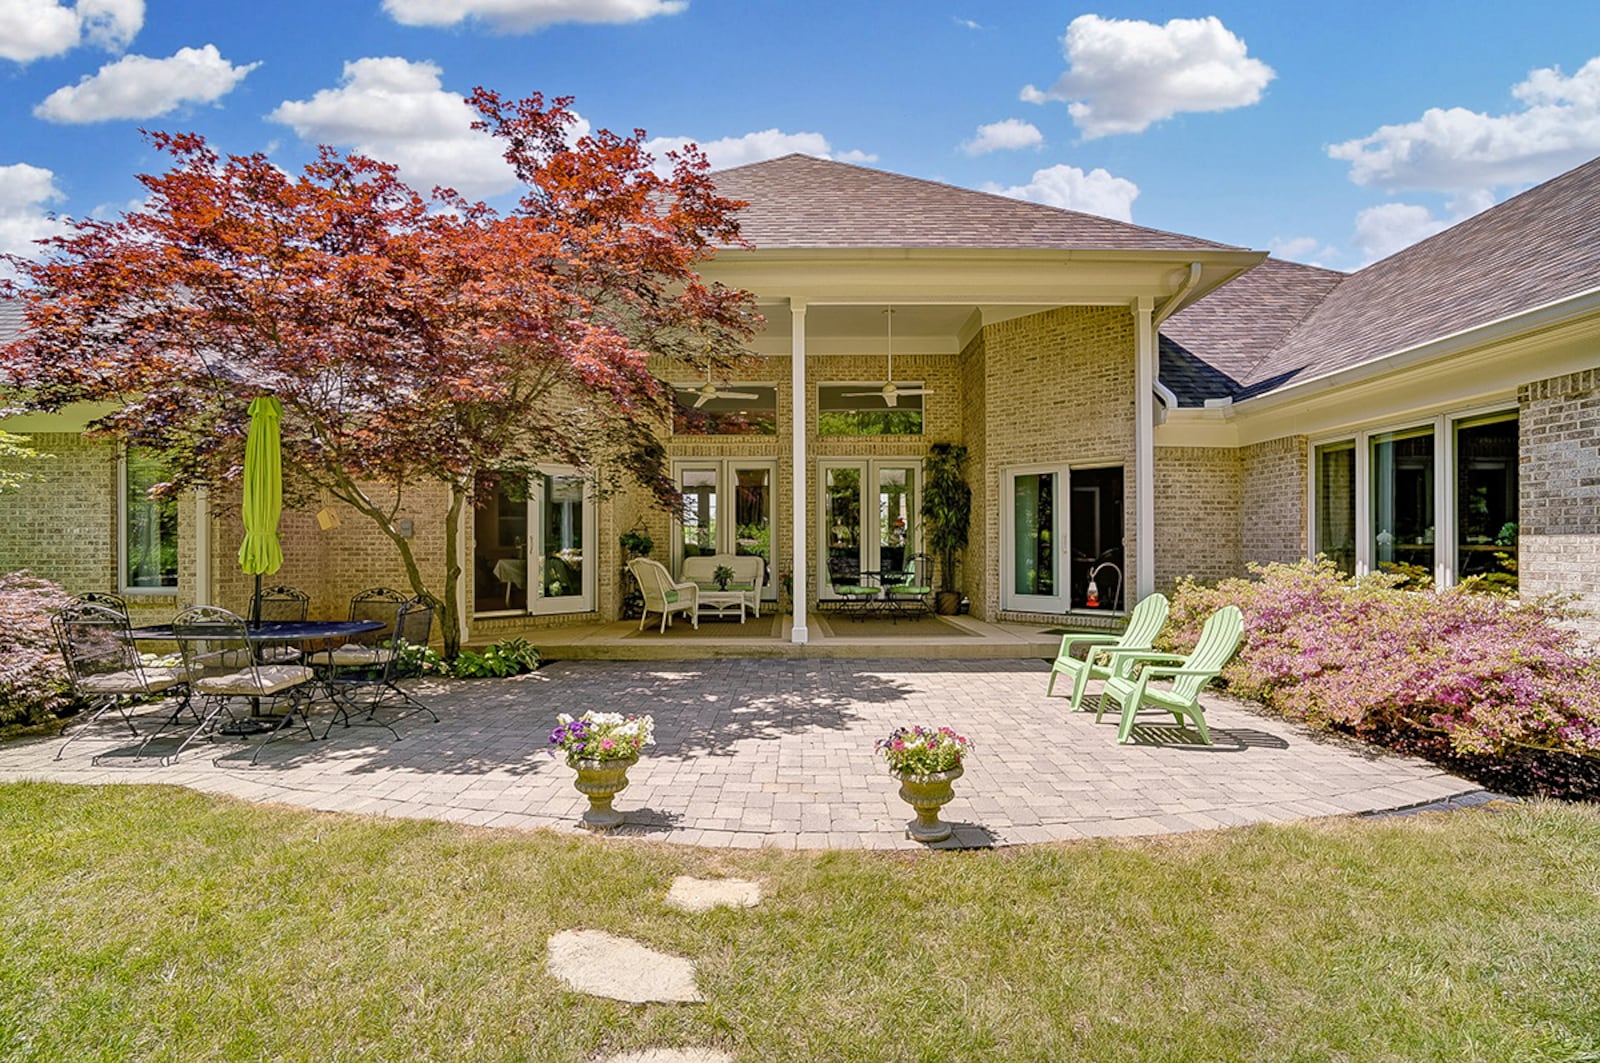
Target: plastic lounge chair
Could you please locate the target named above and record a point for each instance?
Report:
(1219, 640)
(1143, 625)
(104, 666)
(663, 595)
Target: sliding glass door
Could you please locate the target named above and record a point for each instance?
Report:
(533, 543)
(1061, 539)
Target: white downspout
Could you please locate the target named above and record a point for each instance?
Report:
(798, 634)
(1144, 450)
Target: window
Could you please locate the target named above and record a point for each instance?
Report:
(533, 542)
(1334, 487)
(739, 489)
(1403, 521)
(737, 409)
(149, 526)
(1432, 501)
(1486, 500)
(860, 410)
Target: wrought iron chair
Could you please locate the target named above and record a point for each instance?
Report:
(910, 593)
(223, 665)
(104, 599)
(857, 592)
(105, 668)
(379, 604)
(280, 603)
(368, 688)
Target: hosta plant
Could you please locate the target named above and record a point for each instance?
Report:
(924, 750)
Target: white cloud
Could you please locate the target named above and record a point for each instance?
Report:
(1454, 148)
(398, 111)
(1306, 249)
(522, 16)
(754, 147)
(1095, 192)
(966, 23)
(1390, 227)
(137, 86)
(1123, 74)
(25, 194)
(36, 29)
(1007, 135)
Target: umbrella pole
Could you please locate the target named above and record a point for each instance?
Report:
(255, 604)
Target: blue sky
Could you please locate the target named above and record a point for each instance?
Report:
(1330, 133)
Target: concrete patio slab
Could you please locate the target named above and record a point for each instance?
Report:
(778, 753)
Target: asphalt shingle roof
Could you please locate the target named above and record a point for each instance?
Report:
(800, 202)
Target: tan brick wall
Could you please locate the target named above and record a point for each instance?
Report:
(1058, 387)
(1272, 505)
(1198, 491)
(1559, 441)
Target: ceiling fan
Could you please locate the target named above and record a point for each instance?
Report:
(709, 390)
(890, 392)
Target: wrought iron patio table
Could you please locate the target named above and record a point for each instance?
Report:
(272, 631)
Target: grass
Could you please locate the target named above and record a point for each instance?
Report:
(154, 923)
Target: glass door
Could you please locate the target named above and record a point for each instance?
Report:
(727, 509)
(1034, 574)
(563, 543)
(869, 519)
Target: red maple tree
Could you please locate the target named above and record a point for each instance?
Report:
(411, 340)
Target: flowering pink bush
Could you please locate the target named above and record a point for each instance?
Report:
(33, 679)
(1485, 671)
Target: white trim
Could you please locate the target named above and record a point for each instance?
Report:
(1060, 532)
(867, 547)
(584, 601)
(799, 634)
(1144, 455)
(122, 540)
(727, 471)
(202, 547)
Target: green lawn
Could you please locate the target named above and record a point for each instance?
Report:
(148, 922)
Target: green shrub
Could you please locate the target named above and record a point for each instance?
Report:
(33, 678)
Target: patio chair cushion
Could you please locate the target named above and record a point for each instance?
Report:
(353, 655)
(279, 654)
(129, 682)
(274, 677)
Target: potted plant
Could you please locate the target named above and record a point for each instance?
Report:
(637, 542)
(601, 747)
(722, 576)
(927, 761)
(946, 517)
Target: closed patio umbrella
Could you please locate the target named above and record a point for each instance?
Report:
(260, 553)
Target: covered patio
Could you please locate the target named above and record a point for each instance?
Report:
(778, 753)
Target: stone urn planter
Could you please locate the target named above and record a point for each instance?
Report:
(601, 781)
(927, 794)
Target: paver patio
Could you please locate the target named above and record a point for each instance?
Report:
(754, 752)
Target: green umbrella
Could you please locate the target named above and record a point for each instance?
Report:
(263, 495)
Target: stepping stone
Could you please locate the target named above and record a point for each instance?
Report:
(604, 965)
(672, 1055)
(704, 894)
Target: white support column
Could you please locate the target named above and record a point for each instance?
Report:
(202, 547)
(1144, 447)
(797, 471)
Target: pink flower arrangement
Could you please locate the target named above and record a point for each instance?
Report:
(924, 750)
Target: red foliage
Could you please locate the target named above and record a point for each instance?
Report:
(33, 679)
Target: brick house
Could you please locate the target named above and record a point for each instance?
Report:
(1137, 406)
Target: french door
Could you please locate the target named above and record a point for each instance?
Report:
(728, 508)
(533, 543)
(869, 519)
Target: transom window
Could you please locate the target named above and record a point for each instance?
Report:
(862, 410)
(733, 408)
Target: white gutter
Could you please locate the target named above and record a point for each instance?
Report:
(1547, 315)
(1169, 306)
(1173, 302)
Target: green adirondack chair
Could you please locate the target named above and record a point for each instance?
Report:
(1219, 640)
(1140, 634)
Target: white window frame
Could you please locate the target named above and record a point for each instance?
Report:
(123, 587)
(1443, 426)
(727, 530)
(870, 468)
(538, 604)
(1061, 539)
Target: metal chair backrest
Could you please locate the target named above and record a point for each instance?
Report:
(94, 641)
(381, 604)
(413, 627)
(280, 603)
(104, 599)
(214, 642)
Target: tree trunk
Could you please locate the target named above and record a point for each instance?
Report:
(449, 611)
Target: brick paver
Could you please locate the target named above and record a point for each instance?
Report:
(779, 753)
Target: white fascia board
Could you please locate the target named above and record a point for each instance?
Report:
(1189, 427)
(73, 419)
